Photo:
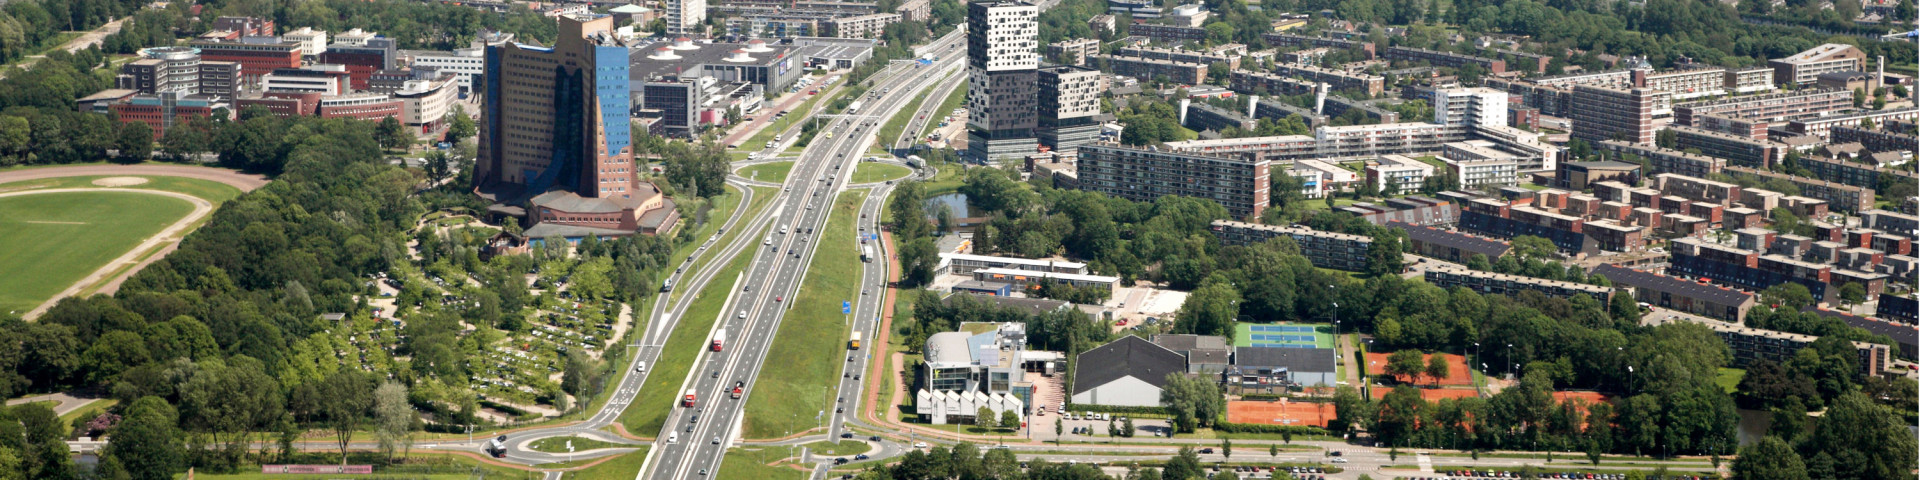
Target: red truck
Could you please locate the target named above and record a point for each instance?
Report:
(687, 401)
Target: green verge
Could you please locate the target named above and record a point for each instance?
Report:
(1729, 379)
(559, 444)
(89, 411)
(797, 376)
(775, 172)
(890, 131)
(753, 463)
(55, 239)
(649, 409)
(954, 100)
(799, 112)
(873, 172)
(843, 447)
(619, 468)
(761, 197)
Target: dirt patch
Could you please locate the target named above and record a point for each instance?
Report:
(120, 181)
(1280, 413)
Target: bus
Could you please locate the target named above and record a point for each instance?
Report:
(866, 253)
(854, 344)
(497, 447)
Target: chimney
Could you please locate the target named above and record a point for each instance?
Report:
(1184, 102)
(1253, 105)
(1879, 72)
(1319, 98)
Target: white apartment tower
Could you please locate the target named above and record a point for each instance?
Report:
(1469, 107)
(684, 16)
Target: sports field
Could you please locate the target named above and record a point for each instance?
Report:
(1280, 413)
(1294, 335)
(54, 239)
(1457, 373)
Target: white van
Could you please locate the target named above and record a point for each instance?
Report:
(641, 367)
(783, 229)
(673, 437)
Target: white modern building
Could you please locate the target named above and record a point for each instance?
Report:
(1469, 107)
(1003, 62)
(1397, 173)
(428, 102)
(965, 264)
(312, 42)
(940, 408)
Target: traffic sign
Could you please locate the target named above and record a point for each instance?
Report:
(846, 307)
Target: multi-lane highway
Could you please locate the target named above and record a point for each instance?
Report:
(695, 439)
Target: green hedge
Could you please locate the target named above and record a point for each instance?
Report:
(1229, 427)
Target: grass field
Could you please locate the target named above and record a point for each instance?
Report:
(649, 409)
(622, 467)
(752, 463)
(871, 172)
(422, 466)
(55, 239)
(559, 444)
(1729, 379)
(91, 410)
(775, 172)
(810, 345)
(212, 191)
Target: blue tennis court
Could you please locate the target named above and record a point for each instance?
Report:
(1284, 335)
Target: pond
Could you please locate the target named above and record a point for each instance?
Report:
(955, 202)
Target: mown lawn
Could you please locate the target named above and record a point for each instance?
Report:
(872, 172)
(775, 172)
(744, 463)
(810, 346)
(54, 239)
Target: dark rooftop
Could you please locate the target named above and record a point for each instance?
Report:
(1622, 276)
(1292, 359)
(1130, 356)
(1492, 249)
(1032, 306)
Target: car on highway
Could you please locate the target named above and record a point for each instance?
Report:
(778, 298)
(703, 472)
(716, 374)
(742, 314)
(874, 438)
(861, 457)
(716, 440)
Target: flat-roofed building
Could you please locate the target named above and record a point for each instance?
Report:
(1581, 175)
(1370, 84)
(1338, 251)
(1662, 291)
(1806, 67)
(1667, 160)
(1750, 79)
(1685, 83)
(1203, 57)
(1820, 126)
(1445, 59)
(1074, 51)
(1738, 150)
(1601, 114)
(1030, 279)
(1451, 246)
(1448, 276)
(1847, 198)
(1770, 106)
(965, 264)
(1320, 179)
(1750, 344)
(1069, 101)
(1397, 173)
(1475, 166)
(1236, 182)
(1288, 40)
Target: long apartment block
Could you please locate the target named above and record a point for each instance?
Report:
(1806, 67)
(1252, 82)
(1875, 140)
(1150, 68)
(1667, 160)
(1339, 79)
(1445, 59)
(1738, 150)
(1750, 344)
(1865, 176)
(1238, 182)
(1301, 41)
(1810, 101)
(1448, 276)
(1841, 196)
(1338, 251)
(1185, 56)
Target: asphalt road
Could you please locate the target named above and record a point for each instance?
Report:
(707, 429)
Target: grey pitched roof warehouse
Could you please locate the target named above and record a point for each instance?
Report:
(1130, 356)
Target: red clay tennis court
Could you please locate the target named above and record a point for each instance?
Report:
(1457, 373)
(1590, 397)
(1430, 394)
(1280, 413)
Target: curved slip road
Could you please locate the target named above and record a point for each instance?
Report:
(166, 237)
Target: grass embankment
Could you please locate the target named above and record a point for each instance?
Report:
(55, 239)
(954, 100)
(775, 172)
(91, 410)
(617, 468)
(799, 112)
(559, 444)
(420, 466)
(1729, 379)
(648, 412)
(761, 197)
(754, 463)
(810, 346)
(890, 131)
(874, 172)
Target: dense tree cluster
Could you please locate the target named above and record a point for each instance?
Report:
(1068, 330)
(26, 26)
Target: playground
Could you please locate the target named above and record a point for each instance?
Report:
(1293, 335)
(1281, 412)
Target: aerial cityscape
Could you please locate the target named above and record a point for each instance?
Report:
(959, 239)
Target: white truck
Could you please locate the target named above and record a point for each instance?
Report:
(719, 337)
